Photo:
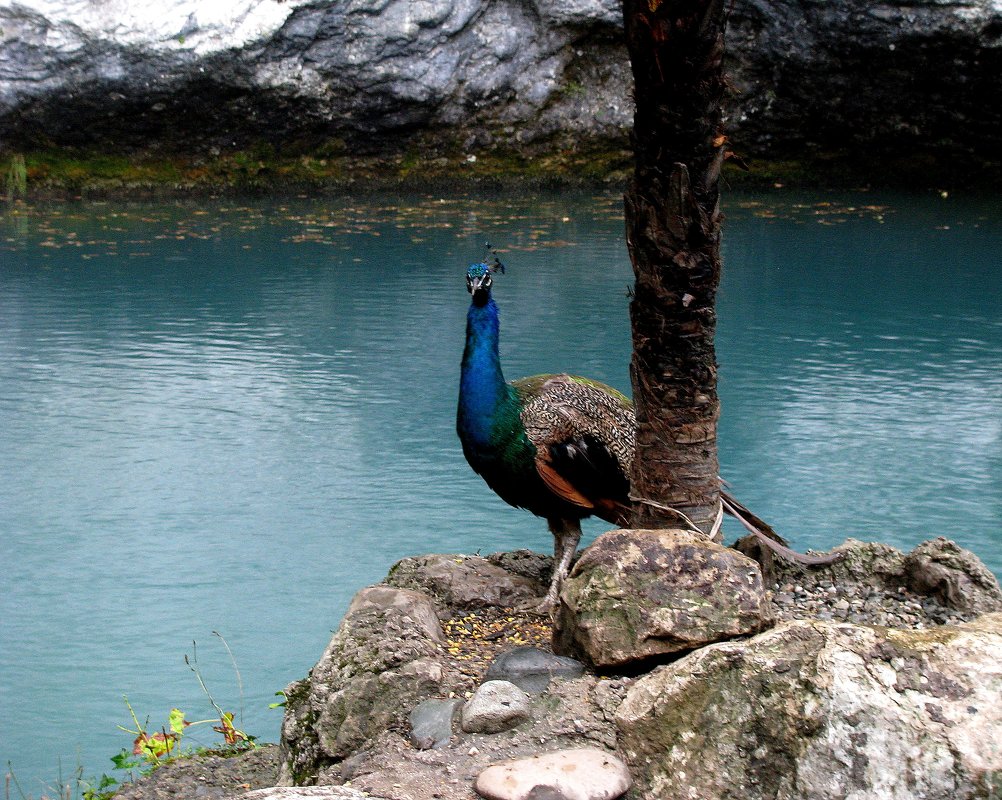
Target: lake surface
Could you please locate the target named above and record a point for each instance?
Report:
(228, 417)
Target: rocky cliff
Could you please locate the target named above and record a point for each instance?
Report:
(361, 73)
(895, 79)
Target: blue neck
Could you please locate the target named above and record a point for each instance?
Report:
(482, 387)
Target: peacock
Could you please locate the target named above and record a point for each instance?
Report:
(560, 446)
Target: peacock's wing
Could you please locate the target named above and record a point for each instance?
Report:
(583, 432)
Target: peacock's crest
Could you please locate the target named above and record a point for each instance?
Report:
(491, 263)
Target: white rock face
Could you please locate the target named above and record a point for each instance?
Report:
(196, 76)
(231, 68)
(819, 711)
(198, 27)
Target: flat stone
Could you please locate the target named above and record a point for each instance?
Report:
(585, 773)
(431, 723)
(307, 793)
(532, 668)
(495, 706)
(463, 582)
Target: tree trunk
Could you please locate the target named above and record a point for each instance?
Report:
(673, 235)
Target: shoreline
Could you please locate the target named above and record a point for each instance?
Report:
(63, 175)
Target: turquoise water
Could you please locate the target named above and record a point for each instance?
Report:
(228, 417)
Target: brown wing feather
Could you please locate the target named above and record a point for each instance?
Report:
(560, 486)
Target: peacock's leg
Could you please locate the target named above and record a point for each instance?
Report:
(566, 535)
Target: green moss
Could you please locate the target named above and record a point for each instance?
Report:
(920, 170)
(16, 171)
(329, 165)
(917, 643)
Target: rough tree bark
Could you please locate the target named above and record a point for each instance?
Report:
(673, 235)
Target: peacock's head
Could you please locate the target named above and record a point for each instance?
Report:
(478, 276)
(478, 282)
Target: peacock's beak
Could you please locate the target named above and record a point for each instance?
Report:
(478, 284)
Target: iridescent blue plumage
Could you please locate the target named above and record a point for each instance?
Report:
(483, 392)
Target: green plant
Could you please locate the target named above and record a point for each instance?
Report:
(17, 177)
(104, 789)
(155, 746)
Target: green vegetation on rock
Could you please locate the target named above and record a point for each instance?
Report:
(327, 166)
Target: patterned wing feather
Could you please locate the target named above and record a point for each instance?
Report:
(583, 432)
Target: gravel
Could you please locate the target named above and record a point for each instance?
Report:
(895, 608)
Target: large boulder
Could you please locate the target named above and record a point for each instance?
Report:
(820, 711)
(384, 659)
(637, 594)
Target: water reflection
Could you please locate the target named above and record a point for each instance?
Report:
(871, 357)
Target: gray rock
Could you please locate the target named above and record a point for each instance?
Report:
(825, 70)
(635, 594)
(463, 582)
(820, 711)
(585, 773)
(536, 567)
(532, 668)
(384, 658)
(206, 777)
(412, 608)
(954, 576)
(431, 722)
(495, 706)
(861, 564)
